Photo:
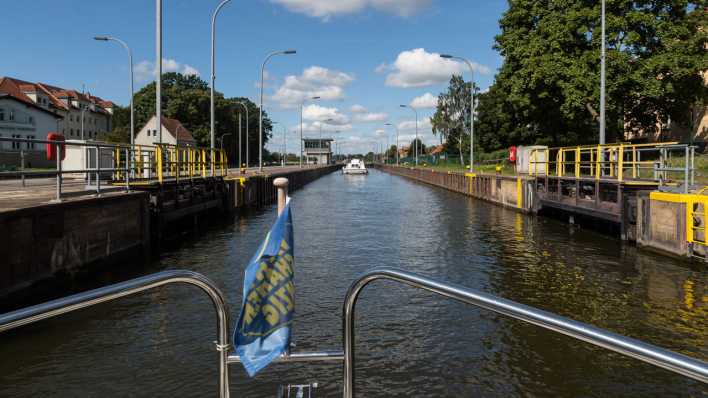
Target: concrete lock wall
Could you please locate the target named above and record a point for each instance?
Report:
(510, 191)
(661, 225)
(36, 243)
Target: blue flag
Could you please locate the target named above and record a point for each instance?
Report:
(262, 332)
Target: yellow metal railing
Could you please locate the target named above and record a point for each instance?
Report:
(180, 163)
(620, 161)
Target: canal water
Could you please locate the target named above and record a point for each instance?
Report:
(409, 342)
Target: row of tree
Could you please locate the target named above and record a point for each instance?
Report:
(547, 90)
(187, 99)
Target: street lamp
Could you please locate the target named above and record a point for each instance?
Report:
(302, 104)
(469, 64)
(213, 69)
(130, 63)
(285, 146)
(397, 148)
(221, 139)
(239, 132)
(602, 79)
(416, 131)
(158, 69)
(260, 108)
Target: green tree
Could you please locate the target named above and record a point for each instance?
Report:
(550, 74)
(452, 116)
(411, 148)
(187, 99)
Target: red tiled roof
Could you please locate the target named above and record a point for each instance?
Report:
(29, 104)
(11, 87)
(438, 149)
(177, 130)
(17, 88)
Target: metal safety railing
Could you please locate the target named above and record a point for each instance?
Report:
(656, 356)
(664, 163)
(118, 164)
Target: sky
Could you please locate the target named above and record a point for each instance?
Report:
(364, 58)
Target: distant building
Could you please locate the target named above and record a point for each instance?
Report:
(70, 105)
(173, 132)
(318, 151)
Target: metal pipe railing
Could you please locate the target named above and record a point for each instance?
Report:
(660, 357)
(90, 298)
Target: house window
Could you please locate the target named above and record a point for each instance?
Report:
(30, 120)
(2, 114)
(30, 145)
(16, 145)
(72, 132)
(12, 115)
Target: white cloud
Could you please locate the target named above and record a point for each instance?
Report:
(145, 70)
(426, 100)
(314, 81)
(381, 69)
(327, 127)
(409, 125)
(419, 68)
(326, 9)
(324, 114)
(370, 117)
(358, 109)
(362, 115)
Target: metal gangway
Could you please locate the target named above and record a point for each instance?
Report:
(630, 347)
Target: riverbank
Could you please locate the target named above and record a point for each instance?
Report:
(667, 223)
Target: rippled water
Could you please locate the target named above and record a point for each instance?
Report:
(409, 343)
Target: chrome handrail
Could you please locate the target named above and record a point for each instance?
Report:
(660, 357)
(25, 316)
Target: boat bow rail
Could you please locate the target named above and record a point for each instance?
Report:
(672, 361)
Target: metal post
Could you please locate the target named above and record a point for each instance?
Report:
(281, 184)
(127, 169)
(213, 69)
(240, 137)
(82, 121)
(22, 165)
(58, 192)
(602, 78)
(158, 69)
(260, 108)
(98, 170)
(285, 146)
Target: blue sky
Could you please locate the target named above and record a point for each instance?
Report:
(364, 57)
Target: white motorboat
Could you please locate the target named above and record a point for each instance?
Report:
(355, 166)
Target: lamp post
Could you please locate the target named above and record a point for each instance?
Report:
(396, 127)
(130, 64)
(469, 65)
(285, 146)
(416, 131)
(260, 108)
(221, 140)
(158, 69)
(602, 78)
(245, 107)
(302, 104)
(213, 69)
(83, 109)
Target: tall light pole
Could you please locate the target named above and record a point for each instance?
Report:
(302, 104)
(416, 131)
(397, 148)
(130, 64)
(285, 146)
(260, 107)
(469, 65)
(158, 69)
(213, 69)
(83, 109)
(602, 79)
(239, 138)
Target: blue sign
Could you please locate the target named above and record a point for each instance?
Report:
(262, 332)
